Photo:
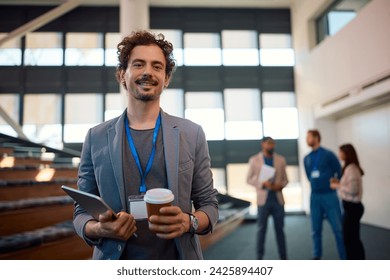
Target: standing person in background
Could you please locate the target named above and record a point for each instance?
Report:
(350, 191)
(141, 149)
(270, 199)
(321, 165)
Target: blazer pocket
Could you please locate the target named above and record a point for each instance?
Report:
(188, 165)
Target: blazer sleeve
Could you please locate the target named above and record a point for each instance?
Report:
(283, 180)
(253, 173)
(86, 182)
(203, 194)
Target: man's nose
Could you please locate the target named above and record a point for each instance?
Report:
(147, 70)
(146, 76)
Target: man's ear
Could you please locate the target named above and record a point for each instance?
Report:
(122, 78)
(167, 81)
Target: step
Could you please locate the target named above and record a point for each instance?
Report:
(12, 161)
(6, 151)
(14, 175)
(29, 215)
(13, 192)
(57, 242)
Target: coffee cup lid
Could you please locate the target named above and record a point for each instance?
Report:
(159, 196)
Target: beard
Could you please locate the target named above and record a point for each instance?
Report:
(146, 94)
(311, 143)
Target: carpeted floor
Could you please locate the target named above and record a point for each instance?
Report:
(241, 243)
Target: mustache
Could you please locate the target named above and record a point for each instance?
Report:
(146, 79)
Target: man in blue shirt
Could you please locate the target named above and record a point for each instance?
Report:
(321, 165)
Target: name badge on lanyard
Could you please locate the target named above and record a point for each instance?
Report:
(137, 207)
(315, 173)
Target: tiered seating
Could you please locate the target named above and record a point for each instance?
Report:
(35, 214)
(232, 212)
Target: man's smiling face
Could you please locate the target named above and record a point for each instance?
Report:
(145, 77)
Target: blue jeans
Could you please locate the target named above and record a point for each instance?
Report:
(326, 205)
(271, 207)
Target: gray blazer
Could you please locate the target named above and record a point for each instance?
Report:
(189, 177)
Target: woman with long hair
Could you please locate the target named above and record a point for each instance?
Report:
(350, 191)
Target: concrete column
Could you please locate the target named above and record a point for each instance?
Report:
(134, 15)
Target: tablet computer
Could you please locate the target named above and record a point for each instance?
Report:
(93, 204)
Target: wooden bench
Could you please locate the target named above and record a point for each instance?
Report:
(31, 214)
(13, 175)
(35, 213)
(57, 242)
(29, 189)
(12, 161)
(6, 151)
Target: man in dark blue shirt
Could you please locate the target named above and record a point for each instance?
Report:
(321, 165)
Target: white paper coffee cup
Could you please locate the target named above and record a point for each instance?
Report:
(156, 199)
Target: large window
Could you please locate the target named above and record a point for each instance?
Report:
(206, 109)
(202, 49)
(276, 50)
(10, 52)
(339, 14)
(43, 48)
(42, 119)
(280, 115)
(82, 111)
(176, 38)
(172, 102)
(243, 114)
(219, 178)
(115, 105)
(84, 49)
(338, 19)
(240, 47)
(110, 55)
(292, 193)
(237, 186)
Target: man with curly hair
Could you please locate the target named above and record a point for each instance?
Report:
(142, 149)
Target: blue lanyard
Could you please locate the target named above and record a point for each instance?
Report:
(316, 160)
(142, 188)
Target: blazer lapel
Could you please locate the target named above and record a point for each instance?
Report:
(115, 136)
(171, 142)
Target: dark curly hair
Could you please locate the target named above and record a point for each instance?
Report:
(144, 38)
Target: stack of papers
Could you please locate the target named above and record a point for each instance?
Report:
(266, 172)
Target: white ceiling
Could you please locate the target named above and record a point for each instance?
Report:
(166, 3)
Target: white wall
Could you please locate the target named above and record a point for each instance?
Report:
(360, 52)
